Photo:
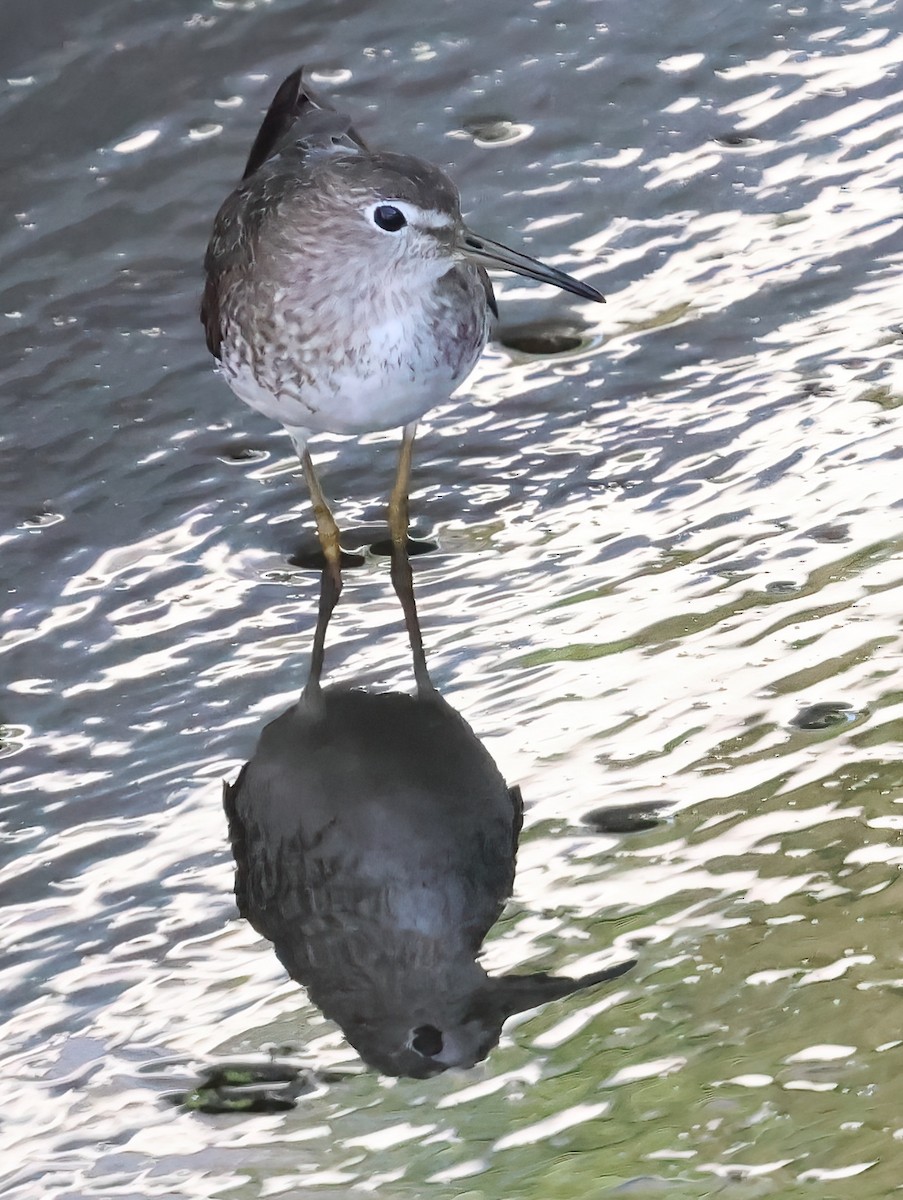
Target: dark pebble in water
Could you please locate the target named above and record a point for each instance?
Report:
(823, 716)
(415, 546)
(830, 533)
(255, 1088)
(243, 454)
(495, 130)
(313, 559)
(40, 520)
(541, 341)
(627, 818)
(736, 141)
(614, 485)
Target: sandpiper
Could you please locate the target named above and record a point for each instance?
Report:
(345, 294)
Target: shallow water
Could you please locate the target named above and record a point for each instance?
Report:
(659, 552)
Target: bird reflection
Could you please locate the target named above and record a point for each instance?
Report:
(375, 842)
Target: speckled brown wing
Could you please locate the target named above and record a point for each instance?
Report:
(297, 124)
(489, 290)
(210, 318)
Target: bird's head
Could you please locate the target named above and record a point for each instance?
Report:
(420, 1027)
(407, 213)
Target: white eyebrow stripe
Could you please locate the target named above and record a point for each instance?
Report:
(429, 218)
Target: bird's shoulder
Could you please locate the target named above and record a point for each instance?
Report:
(491, 303)
(300, 130)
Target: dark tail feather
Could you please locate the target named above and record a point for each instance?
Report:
(287, 106)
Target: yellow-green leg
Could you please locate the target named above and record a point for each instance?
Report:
(402, 576)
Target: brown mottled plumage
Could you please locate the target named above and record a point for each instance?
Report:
(344, 293)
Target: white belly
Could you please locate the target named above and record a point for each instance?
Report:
(395, 375)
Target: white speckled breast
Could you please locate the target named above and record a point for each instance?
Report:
(367, 374)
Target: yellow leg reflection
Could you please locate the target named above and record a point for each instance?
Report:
(331, 580)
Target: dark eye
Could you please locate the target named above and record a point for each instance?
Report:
(427, 1040)
(390, 218)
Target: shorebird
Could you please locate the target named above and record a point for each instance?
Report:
(345, 294)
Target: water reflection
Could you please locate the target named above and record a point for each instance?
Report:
(375, 843)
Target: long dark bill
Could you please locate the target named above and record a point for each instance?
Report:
(494, 254)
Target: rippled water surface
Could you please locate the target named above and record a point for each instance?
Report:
(667, 572)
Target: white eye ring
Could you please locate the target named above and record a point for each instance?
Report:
(389, 218)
